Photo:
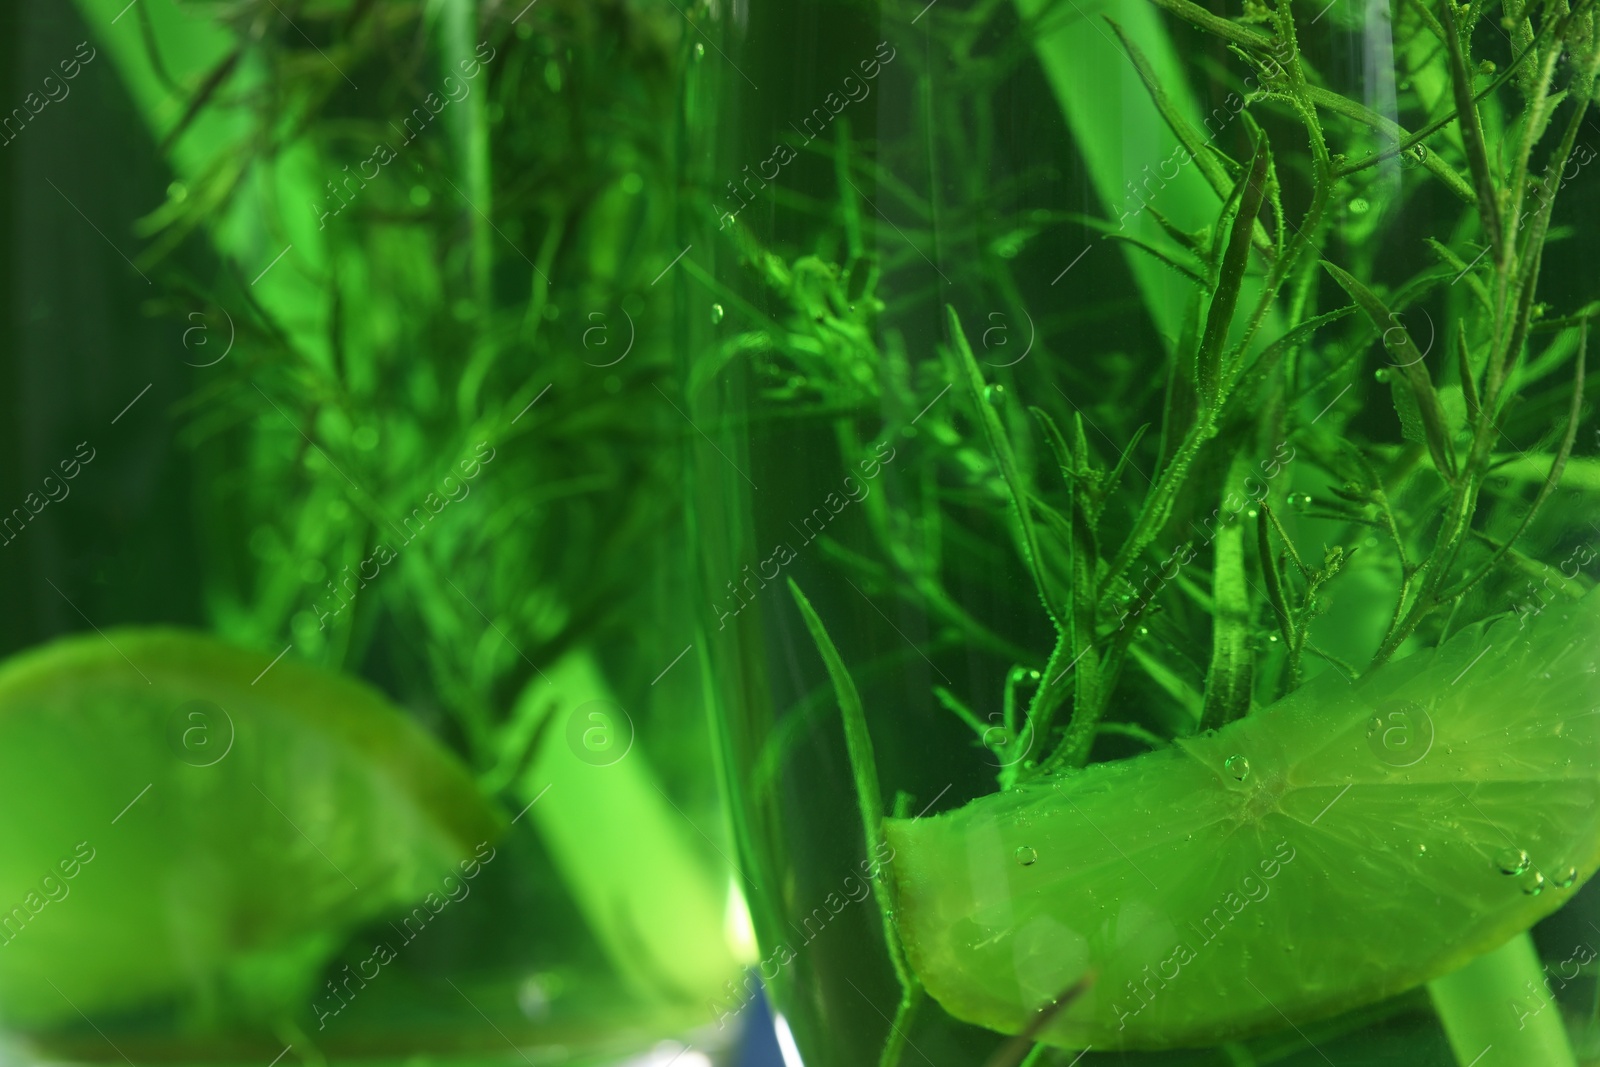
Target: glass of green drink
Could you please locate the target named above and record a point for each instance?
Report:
(1146, 522)
(345, 709)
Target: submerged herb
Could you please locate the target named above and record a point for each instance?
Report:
(1344, 404)
(434, 452)
(1281, 333)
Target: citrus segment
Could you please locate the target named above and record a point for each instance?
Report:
(1347, 843)
(181, 808)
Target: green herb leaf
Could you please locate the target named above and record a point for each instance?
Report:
(1209, 370)
(1472, 134)
(1398, 341)
(1005, 458)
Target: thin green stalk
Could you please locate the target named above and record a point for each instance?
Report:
(1227, 29)
(1533, 253)
(1557, 465)
(1181, 127)
(1229, 681)
(1272, 576)
(905, 1015)
(864, 768)
(1088, 687)
(1049, 697)
(1499, 1005)
(469, 128)
(1036, 1057)
(1350, 109)
(1534, 120)
(1000, 448)
(1309, 232)
(1209, 364)
(1157, 507)
(1429, 408)
(1472, 132)
(1124, 147)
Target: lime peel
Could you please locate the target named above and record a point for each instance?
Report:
(1343, 845)
(321, 807)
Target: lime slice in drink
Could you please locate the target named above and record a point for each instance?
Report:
(195, 824)
(1342, 845)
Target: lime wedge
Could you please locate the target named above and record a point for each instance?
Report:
(1343, 845)
(182, 814)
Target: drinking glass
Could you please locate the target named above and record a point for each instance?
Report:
(1144, 502)
(345, 710)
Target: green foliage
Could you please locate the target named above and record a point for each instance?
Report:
(434, 453)
(1312, 438)
(456, 291)
(1295, 302)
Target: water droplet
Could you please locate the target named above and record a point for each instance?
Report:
(995, 394)
(1300, 501)
(1026, 856)
(699, 50)
(1360, 206)
(1512, 860)
(1251, 513)
(1237, 766)
(1034, 676)
(1567, 877)
(1272, 639)
(716, 313)
(1533, 883)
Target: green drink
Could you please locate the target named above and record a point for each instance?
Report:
(344, 706)
(1145, 517)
